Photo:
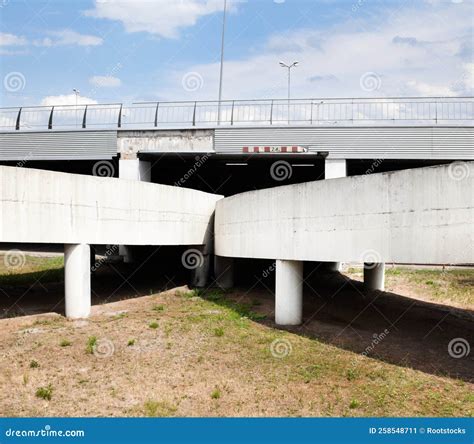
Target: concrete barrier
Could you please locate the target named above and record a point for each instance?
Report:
(49, 207)
(421, 215)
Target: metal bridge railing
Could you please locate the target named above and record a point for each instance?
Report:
(405, 111)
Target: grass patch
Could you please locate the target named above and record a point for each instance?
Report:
(354, 404)
(34, 364)
(158, 307)
(153, 324)
(45, 392)
(219, 331)
(131, 342)
(91, 343)
(35, 269)
(216, 393)
(65, 343)
(158, 409)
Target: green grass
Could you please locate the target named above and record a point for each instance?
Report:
(219, 331)
(43, 269)
(131, 342)
(65, 343)
(216, 393)
(34, 364)
(158, 307)
(91, 343)
(45, 392)
(432, 284)
(153, 324)
(158, 409)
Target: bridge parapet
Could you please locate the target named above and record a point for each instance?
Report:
(269, 112)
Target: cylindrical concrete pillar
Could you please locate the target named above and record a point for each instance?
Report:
(224, 271)
(77, 279)
(374, 276)
(289, 292)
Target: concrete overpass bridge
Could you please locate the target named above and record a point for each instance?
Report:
(240, 140)
(231, 147)
(421, 215)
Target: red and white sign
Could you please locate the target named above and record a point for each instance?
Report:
(274, 149)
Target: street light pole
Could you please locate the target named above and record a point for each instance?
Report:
(222, 65)
(284, 65)
(76, 92)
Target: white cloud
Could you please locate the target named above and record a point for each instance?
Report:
(11, 40)
(417, 50)
(67, 99)
(68, 37)
(105, 81)
(159, 17)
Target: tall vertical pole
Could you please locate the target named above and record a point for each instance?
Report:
(289, 83)
(222, 65)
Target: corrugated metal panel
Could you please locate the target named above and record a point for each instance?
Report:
(357, 143)
(58, 145)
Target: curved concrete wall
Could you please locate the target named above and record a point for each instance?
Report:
(50, 207)
(422, 215)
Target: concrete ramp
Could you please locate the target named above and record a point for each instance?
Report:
(423, 215)
(49, 207)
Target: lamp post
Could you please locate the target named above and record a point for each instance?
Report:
(76, 92)
(284, 65)
(222, 65)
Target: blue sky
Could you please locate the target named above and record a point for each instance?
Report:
(125, 51)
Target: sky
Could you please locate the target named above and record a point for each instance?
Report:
(155, 50)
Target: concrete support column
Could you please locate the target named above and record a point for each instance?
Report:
(199, 260)
(135, 169)
(289, 292)
(334, 168)
(224, 271)
(132, 169)
(77, 279)
(374, 276)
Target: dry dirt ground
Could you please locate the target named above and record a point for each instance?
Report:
(187, 353)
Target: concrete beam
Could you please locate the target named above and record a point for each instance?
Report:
(374, 276)
(74, 209)
(289, 292)
(422, 215)
(77, 280)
